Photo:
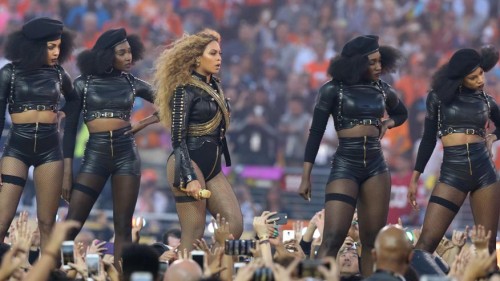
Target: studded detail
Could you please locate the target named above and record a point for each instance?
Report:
(339, 109)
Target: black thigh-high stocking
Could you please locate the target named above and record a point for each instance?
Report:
(223, 201)
(485, 209)
(14, 173)
(48, 186)
(192, 213)
(125, 192)
(373, 207)
(84, 193)
(443, 205)
(340, 203)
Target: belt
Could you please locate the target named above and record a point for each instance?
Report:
(107, 114)
(16, 108)
(347, 122)
(467, 131)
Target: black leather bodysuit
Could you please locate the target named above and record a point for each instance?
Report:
(34, 89)
(200, 117)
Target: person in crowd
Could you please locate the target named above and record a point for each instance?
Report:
(32, 85)
(392, 254)
(357, 99)
(172, 238)
(191, 103)
(459, 113)
(106, 92)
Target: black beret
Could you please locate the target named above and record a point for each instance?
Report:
(43, 29)
(463, 62)
(110, 38)
(361, 45)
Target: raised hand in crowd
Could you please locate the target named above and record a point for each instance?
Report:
(110, 270)
(137, 225)
(480, 238)
(460, 237)
(213, 256)
(330, 272)
(168, 256)
(479, 266)
(246, 273)
(263, 226)
(96, 247)
(50, 254)
(12, 261)
(457, 267)
(214, 264)
(221, 230)
(285, 273)
(79, 266)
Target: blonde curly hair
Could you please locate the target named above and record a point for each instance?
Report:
(174, 66)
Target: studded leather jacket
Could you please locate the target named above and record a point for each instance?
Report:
(200, 114)
(33, 89)
(104, 96)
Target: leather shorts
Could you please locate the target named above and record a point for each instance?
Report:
(467, 167)
(358, 159)
(111, 153)
(34, 143)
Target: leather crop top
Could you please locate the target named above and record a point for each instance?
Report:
(469, 112)
(110, 96)
(351, 105)
(33, 89)
(200, 114)
(104, 96)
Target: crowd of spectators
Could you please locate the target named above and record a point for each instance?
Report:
(268, 255)
(275, 56)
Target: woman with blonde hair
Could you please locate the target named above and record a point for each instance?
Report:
(191, 103)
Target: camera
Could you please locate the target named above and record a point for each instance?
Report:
(67, 249)
(198, 257)
(141, 276)
(239, 247)
(93, 264)
(282, 218)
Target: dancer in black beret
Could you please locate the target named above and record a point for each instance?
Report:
(459, 113)
(357, 99)
(106, 92)
(32, 85)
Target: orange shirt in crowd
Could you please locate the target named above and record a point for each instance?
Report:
(317, 73)
(412, 88)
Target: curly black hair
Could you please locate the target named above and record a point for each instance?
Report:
(447, 88)
(353, 69)
(97, 62)
(30, 54)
